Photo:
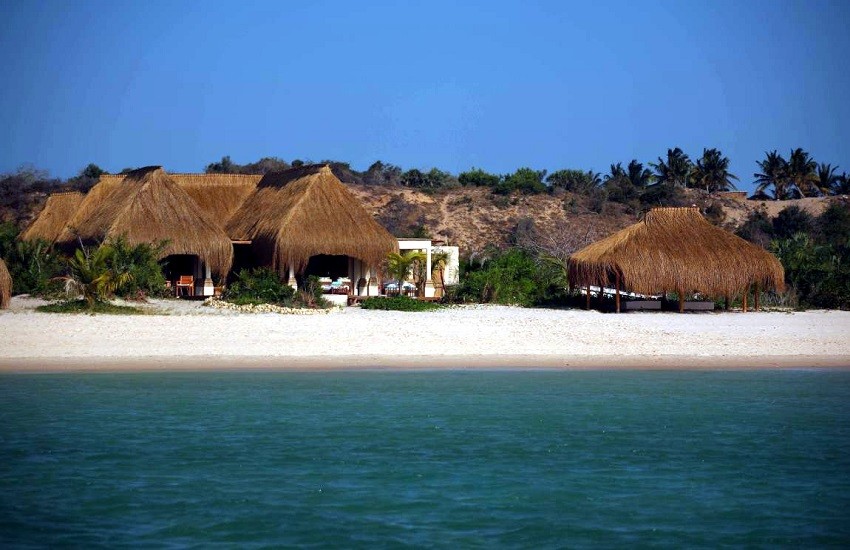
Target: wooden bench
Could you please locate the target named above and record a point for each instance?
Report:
(699, 306)
(642, 305)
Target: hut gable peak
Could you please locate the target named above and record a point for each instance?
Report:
(307, 211)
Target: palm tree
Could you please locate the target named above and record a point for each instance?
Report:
(398, 266)
(92, 277)
(639, 176)
(802, 173)
(827, 179)
(841, 185)
(676, 170)
(615, 174)
(774, 173)
(712, 172)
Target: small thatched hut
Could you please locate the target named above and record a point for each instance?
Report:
(5, 285)
(58, 210)
(675, 250)
(305, 221)
(146, 206)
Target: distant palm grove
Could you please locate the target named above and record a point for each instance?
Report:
(814, 250)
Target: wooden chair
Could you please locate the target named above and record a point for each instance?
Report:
(186, 282)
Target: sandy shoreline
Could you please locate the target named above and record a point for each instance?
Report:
(186, 336)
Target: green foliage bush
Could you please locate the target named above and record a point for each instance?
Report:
(514, 277)
(140, 262)
(33, 265)
(258, 286)
(398, 303)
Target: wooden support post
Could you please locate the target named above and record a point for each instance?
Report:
(744, 299)
(681, 301)
(756, 297)
(726, 303)
(617, 290)
(587, 299)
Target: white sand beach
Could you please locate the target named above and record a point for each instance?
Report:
(187, 335)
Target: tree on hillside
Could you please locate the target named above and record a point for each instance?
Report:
(618, 185)
(264, 166)
(525, 180)
(802, 173)
(86, 178)
(638, 175)
(841, 186)
(382, 174)
(774, 173)
(476, 177)
(711, 172)
(675, 171)
(224, 166)
(575, 181)
(827, 179)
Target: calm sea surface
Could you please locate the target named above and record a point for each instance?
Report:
(447, 459)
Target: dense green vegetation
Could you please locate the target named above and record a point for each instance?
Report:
(398, 303)
(815, 252)
(258, 286)
(515, 276)
(264, 286)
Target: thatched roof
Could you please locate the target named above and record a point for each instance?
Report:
(148, 206)
(676, 249)
(58, 210)
(219, 195)
(5, 285)
(91, 203)
(304, 212)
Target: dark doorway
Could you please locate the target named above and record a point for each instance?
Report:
(327, 266)
(243, 258)
(178, 264)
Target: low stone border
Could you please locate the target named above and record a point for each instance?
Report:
(266, 308)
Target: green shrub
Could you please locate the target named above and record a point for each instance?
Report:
(513, 277)
(140, 262)
(258, 286)
(81, 306)
(398, 303)
(34, 267)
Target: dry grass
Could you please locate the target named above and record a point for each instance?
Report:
(148, 206)
(677, 250)
(303, 212)
(5, 285)
(58, 210)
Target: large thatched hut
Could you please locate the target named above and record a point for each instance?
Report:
(675, 250)
(148, 206)
(5, 285)
(304, 221)
(50, 222)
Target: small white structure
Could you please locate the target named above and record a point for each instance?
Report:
(451, 270)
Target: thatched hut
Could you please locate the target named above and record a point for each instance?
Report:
(5, 285)
(148, 206)
(305, 221)
(675, 250)
(50, 222)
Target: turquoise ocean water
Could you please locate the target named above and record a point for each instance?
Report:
(447, 459)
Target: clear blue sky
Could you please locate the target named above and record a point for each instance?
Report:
(497, 85)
